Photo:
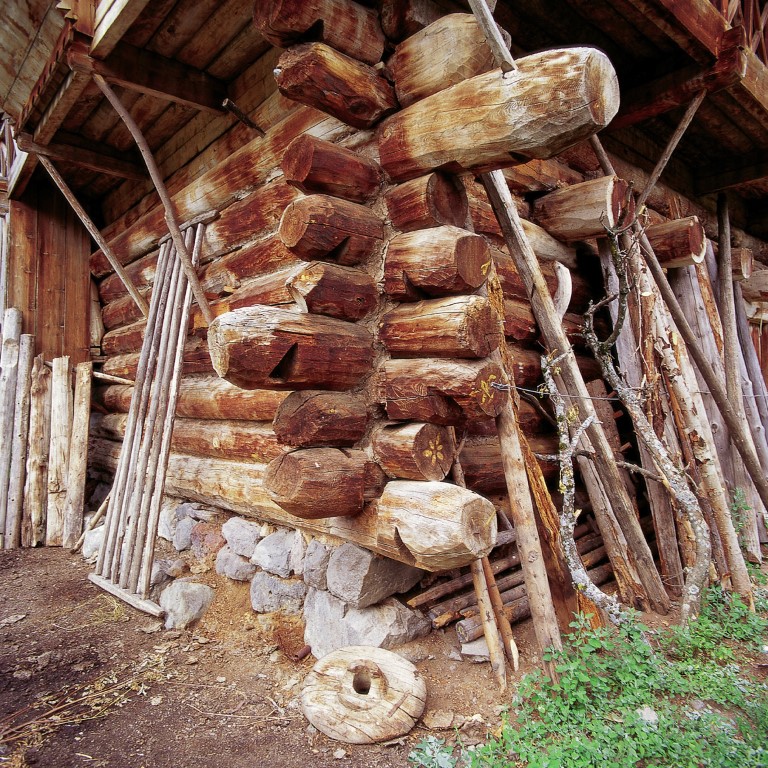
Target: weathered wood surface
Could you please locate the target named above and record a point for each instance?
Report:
(323, 482)
(319, 76)
(678, 243)
(402, 18)
(204, 397)
(440, 391)
(461, 524)
(324, 227)
(9, 364)
(460, 326)
(310, 419)
(427, 201)
(414, 451)
(266, 347)
(314, 165)
(77, 470)
(584, 210)
(486, 132)
(38, 443)
(343, 24)
(15, 503)
(58, 461)
(329, 289)
(448, 51)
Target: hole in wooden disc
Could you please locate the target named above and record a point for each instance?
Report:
(361, 682)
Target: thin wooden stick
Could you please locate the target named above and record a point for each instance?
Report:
(92, 523)
(108, 377)
(95, 234)
(510, 646)
(492, 35)
(157, 179)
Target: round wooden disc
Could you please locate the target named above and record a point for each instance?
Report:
(361, 695)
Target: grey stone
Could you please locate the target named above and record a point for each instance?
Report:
(298, 551)
(330, 624)
(198, 512)
(92, 542)
(182, 535)
(166, 524)
(477, 651)
(362, 578)
(273, 554)
(270, 593)
(184, 602)
(242, 535)
(316, 564)
(160, 572)
(234, 566)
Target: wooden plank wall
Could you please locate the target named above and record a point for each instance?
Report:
(48, 278)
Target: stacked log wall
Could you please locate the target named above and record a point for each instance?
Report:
(292, 240)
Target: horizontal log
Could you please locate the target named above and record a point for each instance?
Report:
(584, 210)
(456, 326)
(440, 391)
(448, 51)
(141, 272)
(204, 397)
(414, 451)
(678, 243)
(427, 201)
(494, 120)
(237, 440)
(324, 227)
(238, 486)
(266, 347)
(311, 419)
(123, 311)
(343, 24)
(328, 289)
(530, 418)
(526, 366)
(314, 165)
(314, 483)
(402, 18)
(319, 76)
(442, 525)
(434, 262)
(196, 360)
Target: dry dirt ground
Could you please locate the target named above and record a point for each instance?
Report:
(88, 681)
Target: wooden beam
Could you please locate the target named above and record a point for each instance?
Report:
(679, 88)
(112, 20)
(86, 158)
(719, 176)
(147, 72)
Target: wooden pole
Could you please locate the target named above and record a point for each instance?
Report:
(92, 523)
(38, 443)
(95, 234)
(19, 448)
(157, 180)
(61, 429)
(78, 456)
(9, 362)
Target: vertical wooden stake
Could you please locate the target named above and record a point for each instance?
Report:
(58, 459)
(9, 362)
(78, 456)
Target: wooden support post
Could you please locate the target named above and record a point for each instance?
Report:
(58, 462)
(19, 448)
(95, 234)
(9, 364)
(36, 490)
(78, 456)
(157, 180)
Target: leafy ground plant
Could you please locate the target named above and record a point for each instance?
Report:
(630, 697)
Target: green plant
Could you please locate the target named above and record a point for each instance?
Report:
(432, 752)
(739, 509)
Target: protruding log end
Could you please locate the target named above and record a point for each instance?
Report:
(312, 419)
(442, 526)
(428, 201)
(315, 483)
(414, 451)
(328, 289)
(271, 348)
(678, 243)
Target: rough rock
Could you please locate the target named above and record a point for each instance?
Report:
(331, 624)
(92, 542)
(198, 512)
(316, 564)
(234, 566)
(242, 535)
(298, 552)
(273, 553)
(182, 535)
(476, 651)
(206, 539)
(270, 593)
(166, 525)
(362, 578)
(184, 602)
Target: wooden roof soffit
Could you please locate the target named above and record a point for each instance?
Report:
(112, 19)
(146, 72)
(678, 88)
(101, 162)
(719, 176)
